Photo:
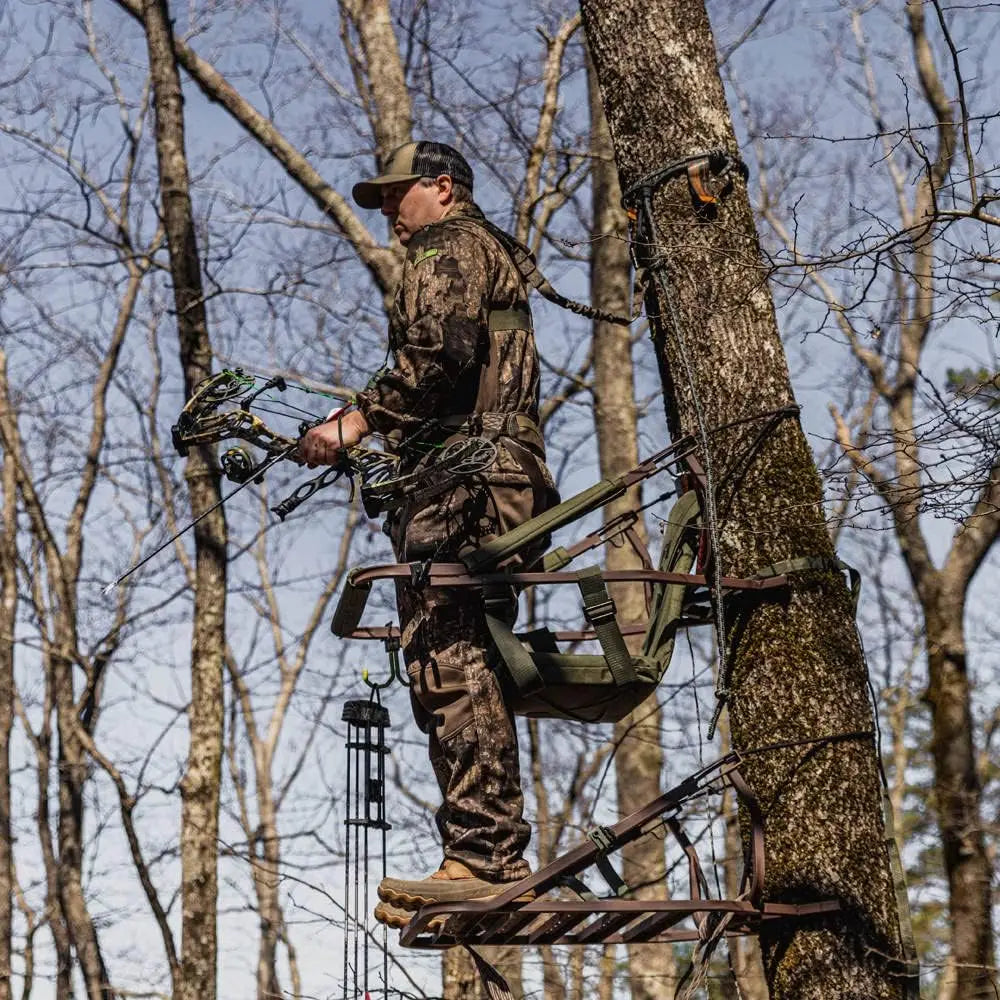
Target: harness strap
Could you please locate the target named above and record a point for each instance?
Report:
(518, 318)
(599, 610)
(521, 668)
(819, 563)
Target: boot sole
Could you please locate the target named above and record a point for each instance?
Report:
(392, 916)
(413, 901)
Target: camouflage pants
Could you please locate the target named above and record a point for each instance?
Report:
(457, 701)
(456, 696)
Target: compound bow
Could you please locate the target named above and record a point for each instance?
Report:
(204, 421)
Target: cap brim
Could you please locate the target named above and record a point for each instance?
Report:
(368, 194)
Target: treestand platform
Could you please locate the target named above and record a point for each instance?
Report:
(561, 910)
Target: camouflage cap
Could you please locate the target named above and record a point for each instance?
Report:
(410, 162)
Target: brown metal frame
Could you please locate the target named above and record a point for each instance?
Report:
(456, 575)
(518, 917)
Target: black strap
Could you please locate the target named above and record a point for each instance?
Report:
(604, 840)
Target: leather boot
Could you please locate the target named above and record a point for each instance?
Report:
(453, 882)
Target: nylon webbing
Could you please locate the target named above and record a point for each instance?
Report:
(518, 318)
(520, 665)
(599, 610)
(805, 563)
(604, 840)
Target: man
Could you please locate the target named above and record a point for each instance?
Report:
(465, 365)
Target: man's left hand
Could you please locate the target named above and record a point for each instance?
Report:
(321, 445)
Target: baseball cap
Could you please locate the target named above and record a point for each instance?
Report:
(410, 162)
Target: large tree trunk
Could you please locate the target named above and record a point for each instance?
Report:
(796, 672)
(200, 786)
(639, 758)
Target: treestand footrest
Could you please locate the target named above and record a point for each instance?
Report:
(605, 921)
(559, 920)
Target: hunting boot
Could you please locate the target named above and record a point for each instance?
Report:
(451, 883)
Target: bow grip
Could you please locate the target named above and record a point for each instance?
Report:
(178, 434)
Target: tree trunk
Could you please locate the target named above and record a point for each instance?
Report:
(8, 626)
(958, 795)
(639, 758)
(796, 672)
(72, 770)
(200, 785)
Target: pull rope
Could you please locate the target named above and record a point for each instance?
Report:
(699, 169)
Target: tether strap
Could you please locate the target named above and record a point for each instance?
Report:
(599, 610)
(819, 563)
(524, 261)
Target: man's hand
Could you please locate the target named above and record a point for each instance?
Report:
(321, 444)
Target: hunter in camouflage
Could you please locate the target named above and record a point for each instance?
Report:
(464, 364)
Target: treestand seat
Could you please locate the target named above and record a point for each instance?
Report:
(540, 681)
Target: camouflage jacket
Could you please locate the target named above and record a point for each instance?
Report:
(461, 340)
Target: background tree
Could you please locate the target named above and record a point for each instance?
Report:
(918, 447)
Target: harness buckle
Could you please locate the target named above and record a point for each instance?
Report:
(599, 613)
(602, 837)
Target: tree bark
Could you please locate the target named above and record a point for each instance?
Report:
(200, 785)
(796, 672)
(639, 757)
(8, 625)
(958, 795)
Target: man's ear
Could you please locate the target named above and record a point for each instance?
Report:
(444, 186)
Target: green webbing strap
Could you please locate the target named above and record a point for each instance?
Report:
(599, 610)
(350, 607)
(518, 318)
(556, 559)
(677, 556)
(520, 666)
(490, 554)
(911, 965)
(819, 563)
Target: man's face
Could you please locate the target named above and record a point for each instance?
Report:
(411, 205)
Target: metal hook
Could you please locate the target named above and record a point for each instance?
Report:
(396, 673)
